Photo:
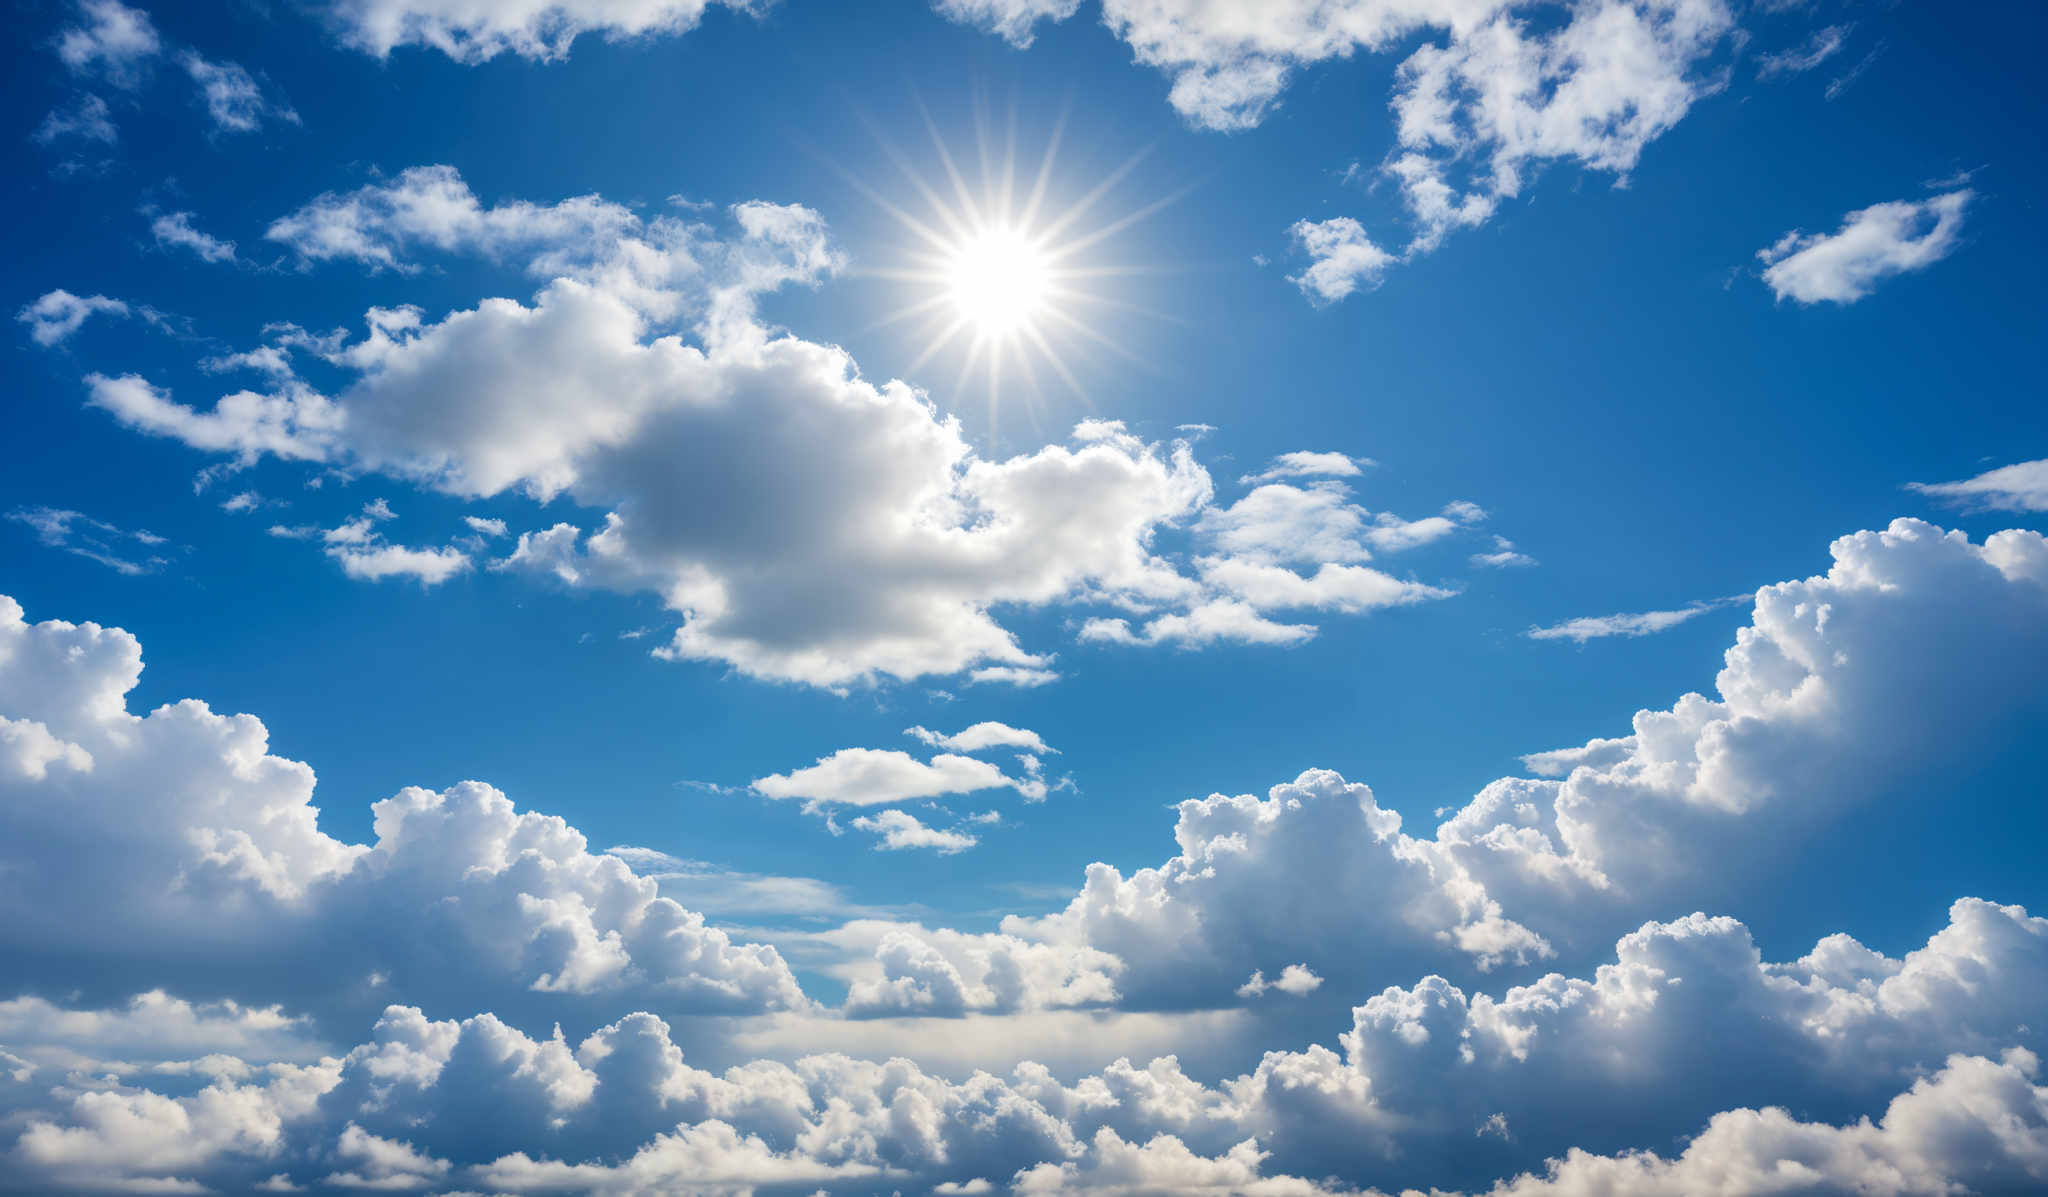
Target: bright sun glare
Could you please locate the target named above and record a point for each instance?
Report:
(1000, 268)
(999, 281)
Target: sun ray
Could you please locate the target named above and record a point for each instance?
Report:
(1002, 260)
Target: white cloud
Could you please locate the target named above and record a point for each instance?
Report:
(900, 830)
(113, 42)
(1498, 97)
(1477, 116)
(1600, 754)
(430, 567)
(485, 527)
(1015, 21)
(1295, 980)
(175, 230)
(431, 207)
(1230, 62)
(538, 29)
(1807, 724)
(271, 360)
(1805, 730)
(983, 736)
(233, 98)
(58, 314)
(95, 540)
(225, 879)
(1873, 244)
(89, 119)
(1642, 623)
(1343, 259)
(1847, 79)
(2019, 487)
(1022, 676)
(876, 776)
(1503, 556)
(1309, 464)
(155, 1033)
(293, 423)
(1213, 622)
(1823, 45)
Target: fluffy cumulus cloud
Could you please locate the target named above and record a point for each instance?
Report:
(2019, 487)
(229, 888)
(887, 556)
(1342, 259)
(469, 32)
(1873, 244)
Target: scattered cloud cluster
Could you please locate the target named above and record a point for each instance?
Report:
(118, 46)
(865, 777)
(1497, 90)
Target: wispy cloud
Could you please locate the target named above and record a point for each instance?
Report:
(1639, 623)
(119, 549)
(2019, 487)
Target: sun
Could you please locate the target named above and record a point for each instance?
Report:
(999, 281)
(1003, 272)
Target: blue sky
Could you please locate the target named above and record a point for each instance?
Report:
(1388, 429)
